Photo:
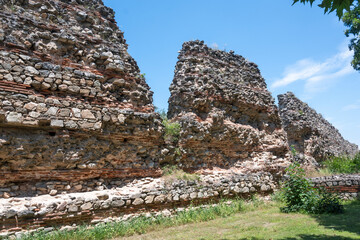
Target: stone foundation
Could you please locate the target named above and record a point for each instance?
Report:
(138, 195)
(347, 186)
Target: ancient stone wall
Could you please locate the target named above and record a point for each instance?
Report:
(77, 123)
(73, 104)
(346, 186)
(141, 195)
(309, 133)
(228, 117)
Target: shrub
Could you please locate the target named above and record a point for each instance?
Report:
(343, 164)
(299, 195)
(172, 129)
(328, 203)
(356, 161)
(297, 191)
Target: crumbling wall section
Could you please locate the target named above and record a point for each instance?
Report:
(312, 137)
(73, 104)
(228, 117)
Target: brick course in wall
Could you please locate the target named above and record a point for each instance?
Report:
(73, 104)
(227, 116)
(347, 186)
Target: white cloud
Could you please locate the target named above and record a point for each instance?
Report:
(315, 73)
(353, 106)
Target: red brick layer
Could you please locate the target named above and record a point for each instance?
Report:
(75, 175)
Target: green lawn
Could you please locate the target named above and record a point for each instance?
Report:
(267, 222)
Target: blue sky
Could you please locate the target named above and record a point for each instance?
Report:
(297, 48)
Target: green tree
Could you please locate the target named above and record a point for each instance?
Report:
(349, 12)
(351, 20)
(332, 5)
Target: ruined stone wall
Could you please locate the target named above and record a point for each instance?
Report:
(346, 186)
(73, 104)
(309, 133)
(228, 117)
(141, 195)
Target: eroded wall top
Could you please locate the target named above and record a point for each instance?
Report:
(73, 104)
(207, 79)
(228, 116)
(69, 48)
(309, 133)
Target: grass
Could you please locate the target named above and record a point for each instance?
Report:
(267, 222)
(236, 220)
(144, 224)
(322, 172)
(172, 173)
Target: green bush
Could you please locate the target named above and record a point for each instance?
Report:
(356, 161)
(328, 203)
(300, 196)
(172, 129)
(343, 164)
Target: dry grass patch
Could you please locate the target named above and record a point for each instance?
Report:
(173, 172)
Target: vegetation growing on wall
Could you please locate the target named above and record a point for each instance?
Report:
(172, 129)
(173, 172)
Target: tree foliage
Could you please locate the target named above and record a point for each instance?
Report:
(332, 5)
(349, 12)
(351, 20)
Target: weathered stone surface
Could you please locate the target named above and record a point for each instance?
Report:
(71, 97)
(228, 117)
(146, 193)
(313, 138)
(347, 186)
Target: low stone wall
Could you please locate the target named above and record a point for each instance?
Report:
(347, 186)
(148, 194)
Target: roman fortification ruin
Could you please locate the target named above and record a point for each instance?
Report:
(74, 105)
(228, 117)
(309, 134)
(80, 141)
